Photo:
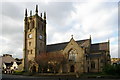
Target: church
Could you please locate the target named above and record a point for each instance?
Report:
(83, 56)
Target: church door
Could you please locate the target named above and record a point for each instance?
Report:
(72, 68)
(33, 69)
(88, 69)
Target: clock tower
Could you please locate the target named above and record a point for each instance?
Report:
(34, 37)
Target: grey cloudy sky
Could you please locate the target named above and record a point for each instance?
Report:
(81, 19)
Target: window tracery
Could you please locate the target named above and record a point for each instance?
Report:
(72, 55)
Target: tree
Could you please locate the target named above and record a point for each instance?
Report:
(42, 61)
(112, 69)
(56, 60)
(50, 61)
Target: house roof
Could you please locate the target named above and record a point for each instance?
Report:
(7, 59)
(61, 46)
(99, 47)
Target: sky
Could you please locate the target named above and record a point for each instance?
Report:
(80, 19)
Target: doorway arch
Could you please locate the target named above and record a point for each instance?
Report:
(34, 69)
(72, 68)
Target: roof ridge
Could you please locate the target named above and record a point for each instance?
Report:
(99, 43)
(66, 42)
(57, 43)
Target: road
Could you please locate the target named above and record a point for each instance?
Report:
(20, 77)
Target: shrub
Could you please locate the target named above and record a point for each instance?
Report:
(112, 69)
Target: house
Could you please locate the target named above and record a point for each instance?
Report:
(9, 64)
(115, 61)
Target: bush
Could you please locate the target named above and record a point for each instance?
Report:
(112, 69)
(117, 69)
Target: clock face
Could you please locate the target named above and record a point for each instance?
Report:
(40, 37)
(30, 36)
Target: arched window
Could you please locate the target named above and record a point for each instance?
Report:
(92, 65)
(28, 25)
(72, 68)
(33, 24)
(72, 55)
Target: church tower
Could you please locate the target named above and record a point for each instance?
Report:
(34, 36)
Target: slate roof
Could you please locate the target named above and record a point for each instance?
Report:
(7, 59)
(94, 55)
(61, 46)
(99, 47)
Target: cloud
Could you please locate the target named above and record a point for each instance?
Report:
(63, 19)
(96, 19)
(11, 26)
(13, 22)
(114, 50)
(12, 10)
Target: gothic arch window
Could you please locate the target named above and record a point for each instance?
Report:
(72, 55)
(31, 51)
(28, 51)
(33, 23)
(92, 65)
(28, 25)
(29, 43)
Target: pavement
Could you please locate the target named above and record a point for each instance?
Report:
(20, 77)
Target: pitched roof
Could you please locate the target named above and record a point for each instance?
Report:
(61, 46)
(94, 55)
(7, 59)
(99, 47)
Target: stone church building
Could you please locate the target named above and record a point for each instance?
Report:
(82, 55)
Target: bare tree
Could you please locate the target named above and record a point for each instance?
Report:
(55, 60)
(50, 62)
(42, 61)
